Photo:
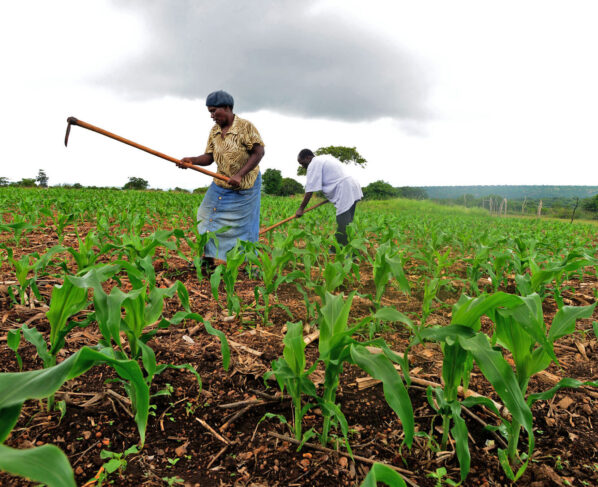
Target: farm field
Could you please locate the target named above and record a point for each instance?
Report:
(446, 344)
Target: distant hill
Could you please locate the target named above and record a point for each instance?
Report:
(511, 192)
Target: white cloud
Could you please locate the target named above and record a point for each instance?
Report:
(513, 99)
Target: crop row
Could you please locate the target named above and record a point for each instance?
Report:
(501, 269)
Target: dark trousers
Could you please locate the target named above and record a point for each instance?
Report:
(342, 221)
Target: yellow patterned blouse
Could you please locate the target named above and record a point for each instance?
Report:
(231, 151)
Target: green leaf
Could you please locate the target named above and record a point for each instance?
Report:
(113, 465)
(66, 301)
(382, 473)
(563, 322)
(460, 432)
(549, 394)
(224, 347)
(38, 384)
(333, 321)
(380, 367)
(499, 373)
(294, 350)
(46, 464)
(468, 311)
(8, 419)
(390, 314)
(215, 279)
(35, 338)
(13, 340)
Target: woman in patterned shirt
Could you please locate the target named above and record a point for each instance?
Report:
(237, 148)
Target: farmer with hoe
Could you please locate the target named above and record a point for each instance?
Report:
(325, 173)
(237, 147)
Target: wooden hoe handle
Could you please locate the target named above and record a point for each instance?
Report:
(93, 128)
(291, 218)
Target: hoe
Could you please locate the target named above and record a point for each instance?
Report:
(93, 128)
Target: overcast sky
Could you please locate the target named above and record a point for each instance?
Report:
(429, 92)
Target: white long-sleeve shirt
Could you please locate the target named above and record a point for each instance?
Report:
(325, 173)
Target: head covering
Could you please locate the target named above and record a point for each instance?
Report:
(220, 99)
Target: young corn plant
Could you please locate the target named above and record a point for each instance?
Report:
(290, 373)
(337, 347)
(497, 268)
(539, 278)
(314, 245)
(135, 246)
(334, 275)
(461, 344)
(476, 266)
(143, 306)
(18, 228)
(522, 332)
(60, 220)
(302, 276)
(27, 269)
(116, 462)
(387, 265)
(197, 246)
(66, 301)
(229, 273)
(270, 266)
(431, 287)
(86, 257)
(48, 464)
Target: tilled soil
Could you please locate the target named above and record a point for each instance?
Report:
(220, 435)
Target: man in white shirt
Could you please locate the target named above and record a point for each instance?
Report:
(326, 173)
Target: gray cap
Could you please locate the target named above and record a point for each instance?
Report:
(220, 99)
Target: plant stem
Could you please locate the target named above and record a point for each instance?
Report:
(329, 397)
(513, 441)
(297, 406)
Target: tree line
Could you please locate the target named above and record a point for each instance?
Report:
(567, 201)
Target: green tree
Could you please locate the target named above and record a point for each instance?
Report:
(25, 183)
(272, 180)
(347, 155)
(289, 186)
(42, 179)
(379, 190)
(590, 204)
(136, 183)
(3, 181)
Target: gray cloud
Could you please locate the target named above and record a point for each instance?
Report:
(276, 55)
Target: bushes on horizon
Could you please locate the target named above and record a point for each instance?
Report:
(289, 187)
(136, 183)
(590, 204)
(276, 185)
(272, 180)
(379, 190)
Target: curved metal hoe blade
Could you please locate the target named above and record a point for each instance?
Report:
(70, 121)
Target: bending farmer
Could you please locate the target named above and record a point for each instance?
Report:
(325, 173)
(236, 146)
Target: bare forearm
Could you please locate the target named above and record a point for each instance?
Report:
(203, 160)
(306, 199)
(255, 156)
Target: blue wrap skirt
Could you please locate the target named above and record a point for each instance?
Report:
(239, 209)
